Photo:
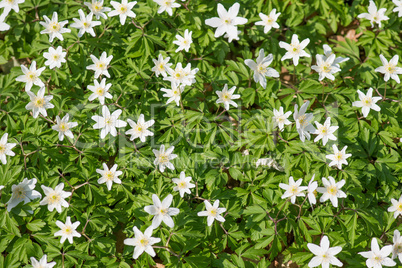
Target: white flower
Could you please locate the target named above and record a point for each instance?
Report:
(183, 184)
(31, 76)
(373, 15)
(226, 97)
(325, 131)
(63, 127)
(162, 211)
(339, 157)
(161, 65)
(54, 198)
(55, 57)
(389, 69)
(97, 8)
(173, 94)
(122, 9)
(5, 148)
(166, 5)
(142, 242)
(85, 24)
(293, 189)
(397, 247)
(42, 263)
(140, 129)
(109, 176)
(269, 21)
(39, 103)
(295, 49)
(4, 26)
(398, 8)
(324, 255)
(2, 187)
(268, 162)
(303, 125)
(183, 42)
(162, 158)
(179, 75)
(261, 68)
(378, 257)
(396, 207)
(331, 190)
(212, 212)
(281, 119)
(108, 122)
(100, 91)
(100, 66)
(311, 188)
(10, 4)
(68, 230)
(54, 28)
(24, 191)
(325, 67)
(227, 21)
(367, 102)
(328, 53)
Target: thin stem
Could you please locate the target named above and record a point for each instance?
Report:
(226, 232)
(168, 249)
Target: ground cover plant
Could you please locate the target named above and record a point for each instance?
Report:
(256, 133)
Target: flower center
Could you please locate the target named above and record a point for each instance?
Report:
(86, 24)
(228, 21)
(100, 65)
(182, 185)
(63, 127)
(270, 20)
(39, 102)
(338, 156)
(140, 128)
(323, 130)
(332, 190)
(378, 259)
(31, 75)
(293, 189)
(261, 68)
(20, 192)
(398, 248)
(226, 96)
(56, 57)
(295, 49)
(2, 148)
(302, 120)
(97, 6)
(391, 68)
(99, 91)
(161, 66)
(123, 9)
(109, 175)
(54, 198)
(326, 68)
(400, 207)
(163, 158)
(213, 212)
(144, 242)
(109, 121)
(163, 211)
(325, 257)
(367, 101)
(54, 27)
(68, 230)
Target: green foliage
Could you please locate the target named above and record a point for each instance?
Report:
(260, 227)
